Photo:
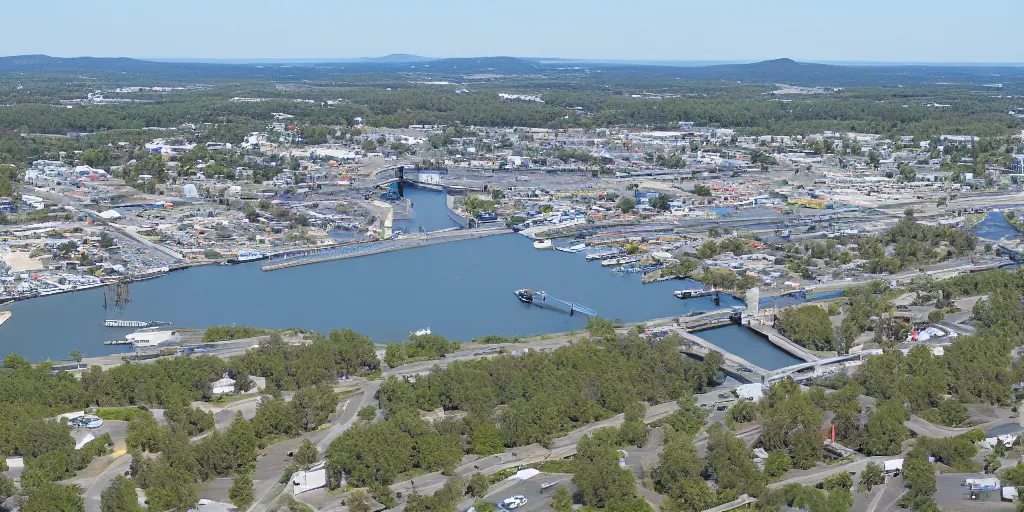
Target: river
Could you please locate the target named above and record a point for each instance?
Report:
(460, 290)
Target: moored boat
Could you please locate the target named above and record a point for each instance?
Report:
(542, 244)
(525, 295)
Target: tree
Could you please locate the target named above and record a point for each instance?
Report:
(702, 190)
(777, 463)
(241, 492)
(306, 454)
(626, 204)
(486, 440)
(51, 497)
(659, 203)
(598, 476)
(841, 479)
(731, 464)
(919, 476)
(120, 496)
(884, 432)
(679, 474)
(874, 159)
(478, 484)
(872, 475)
(359, 501)
(561, 501)
(240, 445)
(369, 145)
(809, 327)
(75, 356)
(367, 413)
(144, 434)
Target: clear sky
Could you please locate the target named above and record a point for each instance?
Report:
(740, 30)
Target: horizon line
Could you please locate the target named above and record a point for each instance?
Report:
(669, 62)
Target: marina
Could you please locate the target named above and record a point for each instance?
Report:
(131, 323)
(244, 295)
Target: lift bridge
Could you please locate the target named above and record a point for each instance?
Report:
(543, 300)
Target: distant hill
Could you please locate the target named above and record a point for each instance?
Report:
(767, 72)
(398, 57)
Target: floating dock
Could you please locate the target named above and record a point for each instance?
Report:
(543, 300)
(132, 323)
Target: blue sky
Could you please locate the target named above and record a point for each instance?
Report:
(737, 30)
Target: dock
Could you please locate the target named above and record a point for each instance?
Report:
(543, 300)
(378, 247)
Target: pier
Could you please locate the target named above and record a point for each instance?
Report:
(543, 300)
(370, 248)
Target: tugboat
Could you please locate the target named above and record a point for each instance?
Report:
(525, 295)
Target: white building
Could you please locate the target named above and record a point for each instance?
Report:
(222, 386)
(312, 478)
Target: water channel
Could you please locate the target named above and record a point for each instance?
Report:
(460, 290)
(995, 227)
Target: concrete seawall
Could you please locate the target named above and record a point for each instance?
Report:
(455, 217)
(782, 342)
(413, 241)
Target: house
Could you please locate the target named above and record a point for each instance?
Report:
(224, 385)
(312, 478)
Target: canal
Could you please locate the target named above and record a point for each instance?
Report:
(749, 345)
(995, 227)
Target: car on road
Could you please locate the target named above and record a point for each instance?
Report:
(745, 369)
(513, 502)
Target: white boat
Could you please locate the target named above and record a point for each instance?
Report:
(151, 337)
(542, 244)
(572, 249)
(694, 293)
(422, 332)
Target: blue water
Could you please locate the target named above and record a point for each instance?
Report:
(460, 290)
(749, 345)
(995, 227)
(427, 213)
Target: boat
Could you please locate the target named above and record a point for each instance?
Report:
(132, 323)
(422, 332)
(605, 254)
(542, 244)
(248, 256)
(628, 269)
(4, 316)
(525, 295)
(693, 293)
(572, 249)
(625, 260)
(151, 336)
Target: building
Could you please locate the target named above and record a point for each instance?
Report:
(312, 478)
(1017, 165)
(222, 386)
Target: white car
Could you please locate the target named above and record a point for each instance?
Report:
(514, 502)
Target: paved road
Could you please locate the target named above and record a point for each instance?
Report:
(93, 487)
(820, 472)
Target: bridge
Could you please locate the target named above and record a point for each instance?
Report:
(789, 371)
